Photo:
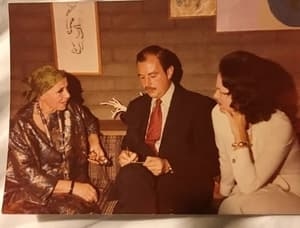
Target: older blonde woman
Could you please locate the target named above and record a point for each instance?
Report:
(49, 144)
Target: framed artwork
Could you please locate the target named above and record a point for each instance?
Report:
(192, 8)
(237, 15)
(76, 37)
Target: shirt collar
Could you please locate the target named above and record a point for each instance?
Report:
(166, 98)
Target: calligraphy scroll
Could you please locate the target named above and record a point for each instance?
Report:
(76, 37)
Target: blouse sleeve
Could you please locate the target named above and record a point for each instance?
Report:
(272, 141)
(26, 166)
(221, 127)
(91, 123)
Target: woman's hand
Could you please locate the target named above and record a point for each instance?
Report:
(238, 124)
(216, 193)
(96, 155)
(83, 190)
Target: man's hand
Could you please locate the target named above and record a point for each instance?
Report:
(156, 165)
(127, 157)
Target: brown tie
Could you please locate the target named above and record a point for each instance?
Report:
(154, 128)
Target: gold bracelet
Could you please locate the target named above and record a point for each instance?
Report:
(240, 144)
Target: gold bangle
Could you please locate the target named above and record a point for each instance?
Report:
(240, 144)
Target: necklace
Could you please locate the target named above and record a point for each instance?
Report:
(45, 125)
(61, 148)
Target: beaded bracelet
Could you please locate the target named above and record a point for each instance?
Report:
(240, 144)
(71, 187)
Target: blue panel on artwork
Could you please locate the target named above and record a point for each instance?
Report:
(286, 11)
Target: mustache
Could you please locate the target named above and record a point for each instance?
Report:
(149, 88)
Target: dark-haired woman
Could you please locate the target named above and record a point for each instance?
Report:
(259, 152)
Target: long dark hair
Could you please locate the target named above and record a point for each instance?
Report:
(256, 85)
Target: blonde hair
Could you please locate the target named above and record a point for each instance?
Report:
(41, 80)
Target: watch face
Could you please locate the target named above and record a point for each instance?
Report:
(287, 11)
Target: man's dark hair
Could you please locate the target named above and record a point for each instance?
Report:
(166, 58)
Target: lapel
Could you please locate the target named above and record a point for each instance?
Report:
(145, 109)
(173, 115)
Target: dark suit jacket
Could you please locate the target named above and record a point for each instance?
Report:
(187, 143)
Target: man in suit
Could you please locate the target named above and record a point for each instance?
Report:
(174, 172)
